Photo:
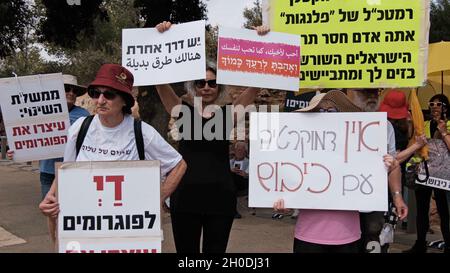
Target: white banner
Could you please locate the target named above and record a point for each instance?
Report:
(318, 160)
(35, 114)
(173, 56)
(109, 206)
(248, 59)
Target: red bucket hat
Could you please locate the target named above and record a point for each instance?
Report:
(117, 77)
(395, 105)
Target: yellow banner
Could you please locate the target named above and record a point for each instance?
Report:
(357, 43)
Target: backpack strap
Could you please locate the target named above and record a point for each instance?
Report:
(139, 139)
(82, 133)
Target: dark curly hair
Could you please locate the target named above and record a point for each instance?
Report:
(442, 98)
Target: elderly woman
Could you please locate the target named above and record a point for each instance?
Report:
(329, 231)
(205, 201)
(113, 128)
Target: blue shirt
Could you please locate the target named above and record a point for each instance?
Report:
(48, 165)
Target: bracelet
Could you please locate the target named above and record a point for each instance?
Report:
(396, 193)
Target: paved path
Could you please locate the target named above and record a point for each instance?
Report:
(24, 229)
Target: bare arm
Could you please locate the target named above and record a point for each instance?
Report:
(169, 98)
(442, 127)
(405, 154)
(172, 180)
(395, 185)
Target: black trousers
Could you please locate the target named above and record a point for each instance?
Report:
(188, 227)
(306, 247)
(423, 198)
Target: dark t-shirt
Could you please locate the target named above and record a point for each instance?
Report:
(207, 186)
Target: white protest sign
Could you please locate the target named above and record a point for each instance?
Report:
(109, 207)
(248, 59)
(318, 160)
(35, 114)
(173, 56)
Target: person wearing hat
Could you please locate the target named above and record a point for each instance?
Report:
(47, 166)
(112, 128)
(437, 130)
(368, 99)
(329, 231)
(204, 205)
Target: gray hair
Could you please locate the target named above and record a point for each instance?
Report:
(243, 144)
(210, 66)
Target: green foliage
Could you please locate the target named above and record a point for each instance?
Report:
(253, 15)
(14, 19)
(63, 23)
(440, 21)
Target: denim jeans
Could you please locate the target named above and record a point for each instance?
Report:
(46, 183)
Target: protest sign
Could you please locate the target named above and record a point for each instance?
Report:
(109, 207)
(173, 56)
(35, 115)
(297, 100)
(354, 43)
(248, 59)
(318, 160)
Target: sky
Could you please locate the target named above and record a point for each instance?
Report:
(227, 12)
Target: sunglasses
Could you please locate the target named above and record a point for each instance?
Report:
(201, 83)
(438, 104)
(68, 89)
(330, 110)
(108, 94)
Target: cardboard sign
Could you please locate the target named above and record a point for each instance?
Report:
(248, 59)
(35, 114)
(318, 160)
(109, 207)
(173, 56)
(356, 44)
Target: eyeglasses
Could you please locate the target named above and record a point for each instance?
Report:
(108, 94)
(438, 104)
(330, 110)
(201, 83)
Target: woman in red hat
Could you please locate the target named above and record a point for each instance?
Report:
(112, 129)
(205, 201)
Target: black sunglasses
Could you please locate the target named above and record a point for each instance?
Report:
(108, 94)
(69, 89)
(201, 83)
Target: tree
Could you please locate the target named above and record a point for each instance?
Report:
(63, 23)
(253, 15)
(24, 58)
(440, 21)
(14, 19)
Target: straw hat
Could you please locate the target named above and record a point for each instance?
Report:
(71, 81)
(338, 98)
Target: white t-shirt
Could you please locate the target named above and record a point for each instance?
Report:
(108, 144)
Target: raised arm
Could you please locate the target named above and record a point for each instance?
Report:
(168, 98)
(405, 154)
